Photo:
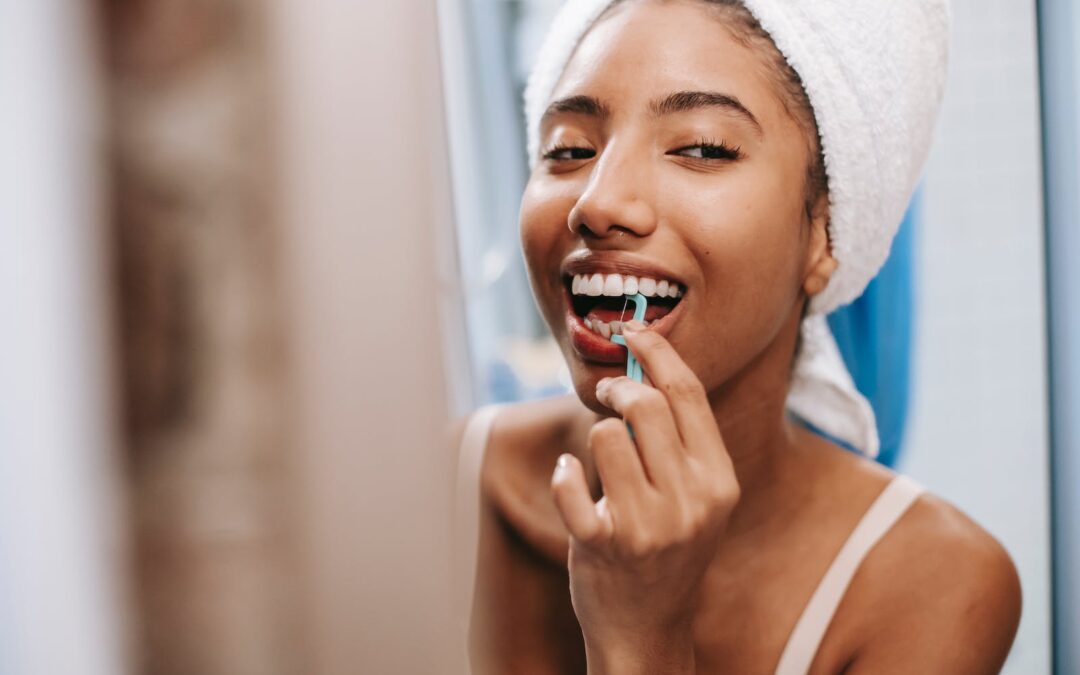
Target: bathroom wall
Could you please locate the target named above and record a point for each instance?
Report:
(978, 428)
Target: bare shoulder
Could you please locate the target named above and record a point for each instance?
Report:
(939, 594)
(527, 438)
(525, 441)
(522, 424)
(522, 618)
(522, 427)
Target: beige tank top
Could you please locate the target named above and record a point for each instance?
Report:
(809, 630)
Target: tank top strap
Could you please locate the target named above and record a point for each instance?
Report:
(806, 637)
(467, 504)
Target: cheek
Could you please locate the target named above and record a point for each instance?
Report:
(746, 235)
(545, 207)
(544, 236)
(538, 225)
(751, 245)
(534, 225)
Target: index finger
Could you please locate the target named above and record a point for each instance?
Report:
(669, 373)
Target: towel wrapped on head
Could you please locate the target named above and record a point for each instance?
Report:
(874, 72)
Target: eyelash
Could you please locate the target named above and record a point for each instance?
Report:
(556, 149)
(722, 150)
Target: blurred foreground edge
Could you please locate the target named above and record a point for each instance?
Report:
(278, 185)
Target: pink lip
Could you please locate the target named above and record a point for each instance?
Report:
(593, 348)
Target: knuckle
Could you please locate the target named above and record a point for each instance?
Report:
(640, 545)
(645, 402)
(723, 498)
(716, 487)
(696, 515)
(649, 340)
(591, 536)
(686, 529)
(709, 501)
(610, 426)
(714, 497)
(730, 493)
(604, 432)
(689, 533)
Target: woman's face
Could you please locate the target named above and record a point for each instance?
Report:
(668, 155)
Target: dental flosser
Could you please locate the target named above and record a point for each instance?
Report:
(633, 368)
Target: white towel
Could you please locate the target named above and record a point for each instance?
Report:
(874, 72)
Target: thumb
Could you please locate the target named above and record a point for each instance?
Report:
(587, 521)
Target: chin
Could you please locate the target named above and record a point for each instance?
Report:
(585, 376)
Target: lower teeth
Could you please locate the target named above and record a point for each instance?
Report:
(606, 329)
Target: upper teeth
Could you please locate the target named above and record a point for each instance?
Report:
(619, 284)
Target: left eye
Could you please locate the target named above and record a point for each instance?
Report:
(709, 151)
(564, 153)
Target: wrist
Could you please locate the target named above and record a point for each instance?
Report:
(666, 653)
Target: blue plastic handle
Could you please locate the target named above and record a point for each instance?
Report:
(633, 368)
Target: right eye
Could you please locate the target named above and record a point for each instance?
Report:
(563, 153)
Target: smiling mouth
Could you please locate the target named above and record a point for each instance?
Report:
(601, 302)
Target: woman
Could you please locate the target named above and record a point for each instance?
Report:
(745, 165)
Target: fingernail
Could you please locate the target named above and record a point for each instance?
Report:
(633, 326)
(560, 468)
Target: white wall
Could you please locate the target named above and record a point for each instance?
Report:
(978, 432)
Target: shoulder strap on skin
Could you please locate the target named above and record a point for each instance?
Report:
(467, 504)
(806, 637)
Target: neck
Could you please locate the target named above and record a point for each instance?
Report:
(751, 412)
(761, 441)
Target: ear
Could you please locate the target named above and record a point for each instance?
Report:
(820, 263)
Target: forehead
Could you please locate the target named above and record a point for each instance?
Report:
(643, 49)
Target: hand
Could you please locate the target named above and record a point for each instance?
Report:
(638, 555)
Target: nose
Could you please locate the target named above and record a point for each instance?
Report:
(618, 197)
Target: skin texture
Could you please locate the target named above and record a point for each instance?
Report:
(695, 548)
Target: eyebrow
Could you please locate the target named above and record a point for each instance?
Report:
(683, 101)
(577, 105)
(680, 101)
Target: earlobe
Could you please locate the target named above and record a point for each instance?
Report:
(820, 261)
(820, 273)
